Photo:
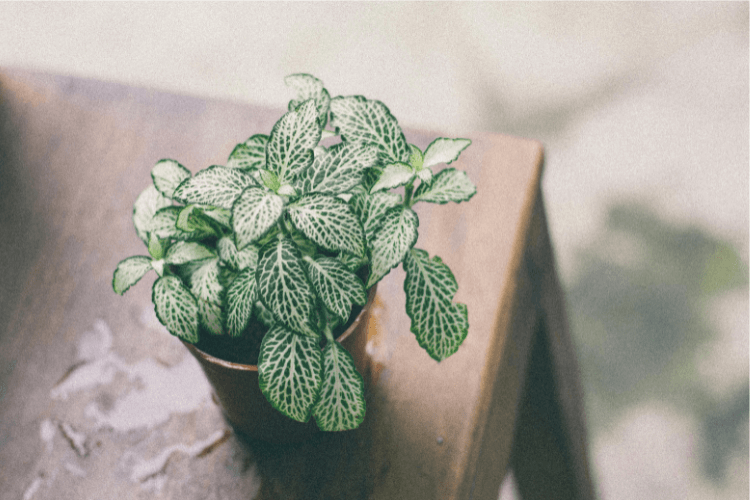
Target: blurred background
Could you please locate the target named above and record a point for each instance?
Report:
(643, 110)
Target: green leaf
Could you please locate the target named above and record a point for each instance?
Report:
(270, 180)
(284, 289)
(361, 120)
(145, 207)
(239, 300)
(371, 208)
(176, 308)
(448, 185)
(352, 262)
(337, 170)
(217, 214)
(293, 138)
(329, 222)
(204, 281)
(444, 150)
(309, 87)
(341, 403)
(156, 246)
(210, 315)
(164, 226)
(249, 155)
(129, 272)
(416, 158)
(254, 213)
(237, 259)
(167, 175)
(183, 252)
(335, 285)
(439, 324)
(191, 219)
(394, 175)
(216, 186)
(289, 372)
(392, 241)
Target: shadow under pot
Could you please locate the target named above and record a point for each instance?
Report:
(245, 406)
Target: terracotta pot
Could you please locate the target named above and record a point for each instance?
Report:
(236, 386)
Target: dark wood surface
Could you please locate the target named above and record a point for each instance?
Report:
(98, 401)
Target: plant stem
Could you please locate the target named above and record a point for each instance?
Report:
(408, 191)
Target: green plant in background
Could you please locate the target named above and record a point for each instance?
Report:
(638, 307)
(291, 233)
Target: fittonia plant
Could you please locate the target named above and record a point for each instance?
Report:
(292, 234)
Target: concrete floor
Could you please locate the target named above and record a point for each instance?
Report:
(643, 102)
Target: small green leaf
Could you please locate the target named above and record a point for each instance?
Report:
(392, 242)
(352, 262)
(176, 308)
(191, 219)
(270, 180)
(335, 285)
(284, 289)
(183, 252)
(167, 175)
(370, 208)
(146, 205)
(309, 87)
(239, 300)
(249, 155)
(448, 185)
(237, 259)
(425, 175)
(293, 137)
(217, 214)
(341, 404)
(337, 170)
(254, 213)
(416, 158)
(361, 120)
(444, 150)
(394, 175)
(440, 325)
(289, 372)
(129, 272)
(155, 246)
(329, 222)
(216, 186)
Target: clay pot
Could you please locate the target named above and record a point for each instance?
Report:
(236, 386)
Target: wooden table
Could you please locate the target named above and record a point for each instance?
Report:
(97, 401)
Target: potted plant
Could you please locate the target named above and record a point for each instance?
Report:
(273, 254)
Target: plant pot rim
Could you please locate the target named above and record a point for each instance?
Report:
(254, 368)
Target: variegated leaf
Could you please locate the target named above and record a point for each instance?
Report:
(394, 175)
(337, 170)
(254, 213)
(448, 185)
(443, 150)
(210, 315)
(183, 252)
(292, 140)
(284, 289)
(239, 300)
(167, 175)
(396, 236)
(439, 324)
(204, 281)
(129, 272)
(216, 186)
(361, 120)
(309, 87)
(329, 222)
(341, 403)
(370, 208)
(335, 285)
(249, 155)
(146, 205)
(191, 219)
(237, 259)
(221, 215)
(289, 372)
(164, 226)
(176, 308)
